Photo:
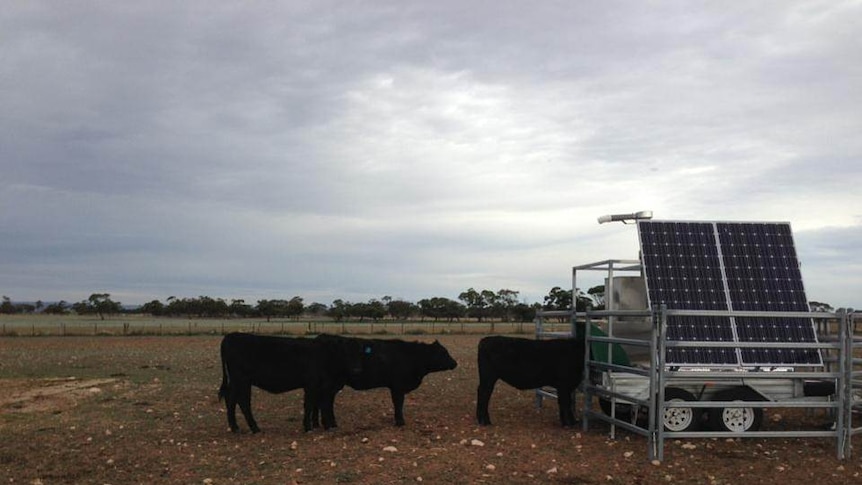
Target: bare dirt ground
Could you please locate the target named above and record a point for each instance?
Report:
(144, 410)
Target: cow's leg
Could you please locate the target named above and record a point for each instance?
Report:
(323, 411)
(230, 405)
(564, 399)
(315, 417)
(327, 409)
(483, 397)
(398, 405)
(309, 403)
(243, 398)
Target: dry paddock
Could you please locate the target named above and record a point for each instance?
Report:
(143, 409)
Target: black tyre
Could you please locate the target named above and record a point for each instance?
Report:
(682, 418)
(736, 419)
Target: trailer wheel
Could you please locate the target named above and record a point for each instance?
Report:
(680, 419)
(736, 419)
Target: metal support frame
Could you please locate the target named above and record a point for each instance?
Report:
(847, 343)
(660, 376)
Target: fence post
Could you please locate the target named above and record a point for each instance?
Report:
(845, 366)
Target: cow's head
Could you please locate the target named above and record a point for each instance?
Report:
(439, 358)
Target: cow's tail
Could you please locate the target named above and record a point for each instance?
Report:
(225, 377)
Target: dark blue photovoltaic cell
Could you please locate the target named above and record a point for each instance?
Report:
(727, 266)
(683, 271)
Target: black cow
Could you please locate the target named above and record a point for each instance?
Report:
(280, 364)
(395, 364)
(530, 364)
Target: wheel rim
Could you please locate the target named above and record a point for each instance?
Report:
(678, 419)
(737, 419)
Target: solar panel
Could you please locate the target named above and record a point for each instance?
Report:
(763, 275)
(689, 279)
(727, 266)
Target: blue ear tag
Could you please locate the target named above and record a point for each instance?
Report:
(368, 350)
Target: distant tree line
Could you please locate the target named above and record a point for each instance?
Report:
(481, 305)
(97, 304)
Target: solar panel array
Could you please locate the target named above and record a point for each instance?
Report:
(741, 266)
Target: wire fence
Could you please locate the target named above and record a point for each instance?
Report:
(136, 325)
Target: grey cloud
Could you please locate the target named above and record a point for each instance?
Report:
(349, 150)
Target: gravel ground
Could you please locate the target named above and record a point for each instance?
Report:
(144, 410)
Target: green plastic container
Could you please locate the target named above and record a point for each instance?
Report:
(601, 350)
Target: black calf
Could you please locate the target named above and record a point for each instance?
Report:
(530, 364)
(397, 365)
(280, 364)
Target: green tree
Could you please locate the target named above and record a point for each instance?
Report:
(294, 307)
(375, 310)
(479, 304)
(586, 301)
(339, 310)
(100, 304)
(59, 308)
(7, 308)
(206, 306)
(558, 299)
(400, 309)
(273, 308)
(154, 308)
(504, 304)
(598, 296)
(239, 308)
(817, 306)
(439, 307)
(525, 313)
(316, 309)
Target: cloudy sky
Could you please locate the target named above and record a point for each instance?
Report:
(361, 149)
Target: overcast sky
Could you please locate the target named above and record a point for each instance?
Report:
(364, 149)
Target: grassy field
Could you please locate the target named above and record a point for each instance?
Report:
(69, 325)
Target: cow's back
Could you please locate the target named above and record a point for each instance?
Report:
(274, 364)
